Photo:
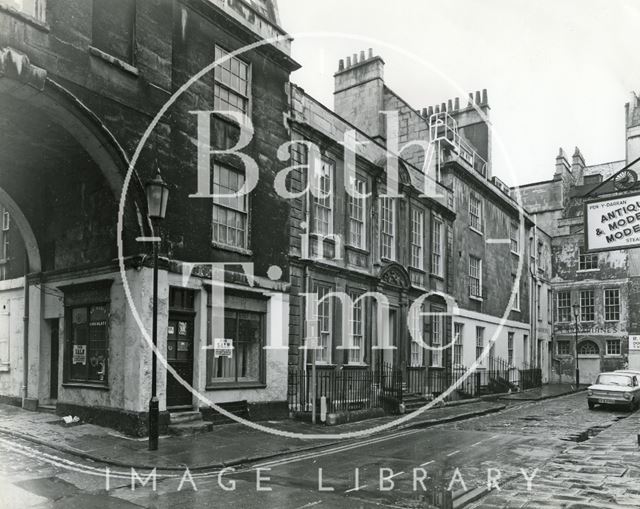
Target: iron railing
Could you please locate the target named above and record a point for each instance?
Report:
(360, 388)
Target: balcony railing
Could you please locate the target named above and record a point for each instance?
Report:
(444, 128)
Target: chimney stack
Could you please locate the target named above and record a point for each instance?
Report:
(577, 166)
(562, 165)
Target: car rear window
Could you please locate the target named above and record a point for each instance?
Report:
(622, 380)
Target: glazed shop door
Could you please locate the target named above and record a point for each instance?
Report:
(180, 357)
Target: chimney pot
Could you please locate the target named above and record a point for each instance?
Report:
(484, 96)
(449, 105)
(478, 99)
(457, 104)
(370, 52)
(348, 61)
(355, 58)
(443, 107)
(437, 109)
(430, 111)
(424, 112)
(470, 98)
(341, 65)
(362, 57)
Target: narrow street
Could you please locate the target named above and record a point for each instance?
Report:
(389, 471)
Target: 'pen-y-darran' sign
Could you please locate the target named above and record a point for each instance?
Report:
(613, 223)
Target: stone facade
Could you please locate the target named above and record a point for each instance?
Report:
(79, 85)
(599, 285)
(356, 265)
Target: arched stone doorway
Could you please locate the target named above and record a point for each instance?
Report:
(588, 361)
(61, 176)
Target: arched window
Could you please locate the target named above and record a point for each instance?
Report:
(588, 348)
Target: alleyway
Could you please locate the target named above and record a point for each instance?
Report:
(525, 436)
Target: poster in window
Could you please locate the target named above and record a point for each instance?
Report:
(171, 330)
(80, 354)
(182, 328)
(183, 346)
(223, 347)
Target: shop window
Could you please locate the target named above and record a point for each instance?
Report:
(114, 28)
(246, 331)
(87, 343)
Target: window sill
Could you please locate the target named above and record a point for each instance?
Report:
(387, 260)
(120, 64)
(473, 297)
(516, 310)
(477, 231)
(325, 237)
(235, 385)
(85, 385)
(360, 250)
(233, 249)
(30, 20)
(356, 365)
(436, 367)
(583, 271)
(417, 269)
(516, 253)
(322, 365)
(437, 276)
(5, 368)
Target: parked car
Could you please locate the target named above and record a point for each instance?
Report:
(615, 388)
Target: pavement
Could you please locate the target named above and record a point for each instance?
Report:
(228, 444)
(601, 471)
(544, 392)
(454, 459)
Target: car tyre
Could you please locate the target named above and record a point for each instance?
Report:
(591, 405)
(631, 406)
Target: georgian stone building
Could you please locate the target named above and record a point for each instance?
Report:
(398, 248)
(80, 82)
(597, 286)
(491, 259)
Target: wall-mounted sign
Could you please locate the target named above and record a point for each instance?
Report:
(222, 347)
(612, 223)
(182, 328)
(79, 354)
(634, 343)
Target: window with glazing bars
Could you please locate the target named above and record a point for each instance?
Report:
(436, 247)
(475, 211)
(387, 228)
(325, 317)
(323, 204)
(357, 218)
(357, 329)
(437, 329)
(515, 237)
(475, 276)
(510, 348)
(563, 306)
(458, 329)
(417, 238)
(479, 341)
(587, 306)
(231, 84)
(588, 261)
(612, 304)
(229, 212)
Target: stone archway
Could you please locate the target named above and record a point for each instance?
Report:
(28, 237)
(588, 361)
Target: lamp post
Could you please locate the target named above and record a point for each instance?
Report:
(576, 311)
(157, 193)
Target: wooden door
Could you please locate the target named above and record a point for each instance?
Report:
(180, 358)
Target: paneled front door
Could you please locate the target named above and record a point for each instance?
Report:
(180, 357)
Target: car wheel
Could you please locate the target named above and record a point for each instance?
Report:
(631, 406)
(591, 405)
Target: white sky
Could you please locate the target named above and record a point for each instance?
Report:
(558, 72)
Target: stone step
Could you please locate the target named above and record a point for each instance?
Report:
(190, 428)
(188, 416)
(51, 409)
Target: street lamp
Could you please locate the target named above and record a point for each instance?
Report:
(576, 312)
(157, 193)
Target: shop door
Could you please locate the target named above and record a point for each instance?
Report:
(180, 358)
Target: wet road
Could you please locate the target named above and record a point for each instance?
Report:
(401, 469)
